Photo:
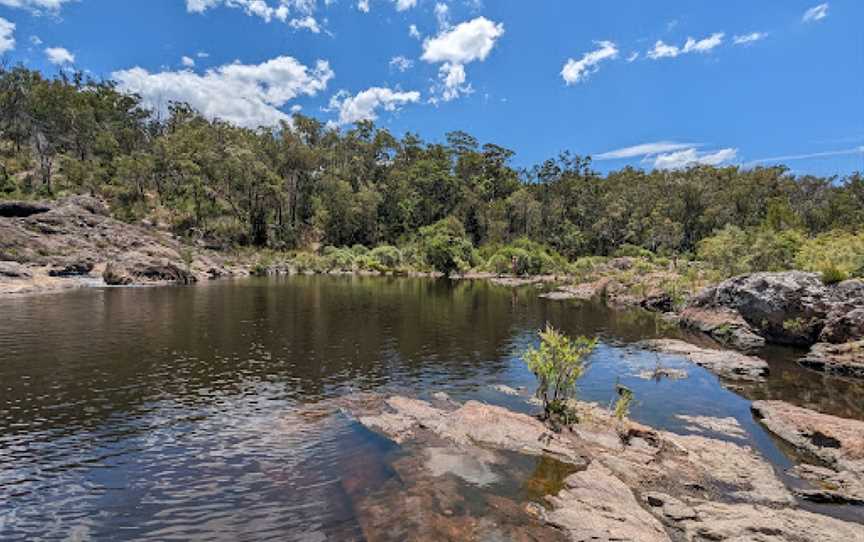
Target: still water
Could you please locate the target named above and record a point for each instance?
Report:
(192, 413)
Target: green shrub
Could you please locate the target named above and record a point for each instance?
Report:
(525, 257)
(834, 254)
(558, 364)
(306, 261)
(386, 256)
(633, 251)
(341, 259)
(445, 246)
(622, 405)
(359, 250)
(832, 275)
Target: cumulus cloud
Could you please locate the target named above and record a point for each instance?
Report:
(363, 5)
(401, 63)
(816, 13)
(244, 94)
(576, 71)
(746, 39)
(308, 23)
(706, 45)
(455, 47)
(364, 105)
(35, 5)
(633, 56)
(7, 35)
(414, 32)
(188, 61)
(442, 15)
(645, 149)
(692, 157)
(59, 56)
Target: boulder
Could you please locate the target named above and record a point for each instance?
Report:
(792, 307)
(14, 270)
(73, 269)
(135, 268)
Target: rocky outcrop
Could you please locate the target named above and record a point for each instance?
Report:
(69, 242)
(724, 325)
(792, 307)
(631, 482)
(724, 363)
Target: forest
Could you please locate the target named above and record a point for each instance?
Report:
(305, 185)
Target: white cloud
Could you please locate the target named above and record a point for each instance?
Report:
(36, 40)
(402, 5)
(442, 15)
(202, 54)
(576, 71)
(401, 63)
(7, 35)
(691, 157)
(633, 57)
(365, 104)
(413, 32)
(308, 22)
(808, 156)
(243, 94)
(455, 47)
(752, 37)
(467, 42)
(645, 149)
(363, 5)
(35, 5)
(188, 61)
(59, 56)
(662, 50)
(706, 45)
(816, 13)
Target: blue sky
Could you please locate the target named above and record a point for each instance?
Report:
(650, 84)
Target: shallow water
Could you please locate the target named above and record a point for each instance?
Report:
(178, 413)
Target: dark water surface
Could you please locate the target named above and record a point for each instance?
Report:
(190, 413)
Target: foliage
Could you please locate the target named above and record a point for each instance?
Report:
(558, 364)
(622, 405)
(446, 247)
(386, 256)
(303, 184)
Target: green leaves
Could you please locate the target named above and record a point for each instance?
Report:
(558, 364)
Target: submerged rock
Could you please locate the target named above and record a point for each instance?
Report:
(830, 486)
(724, 363)
(702, 424)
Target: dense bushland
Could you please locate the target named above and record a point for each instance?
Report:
(448, 205)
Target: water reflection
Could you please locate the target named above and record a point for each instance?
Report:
(177, 413)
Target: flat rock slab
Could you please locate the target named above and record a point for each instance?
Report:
(837, 441)
(724, 363)
(845, 359)
(706, 424)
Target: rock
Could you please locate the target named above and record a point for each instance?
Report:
(506, 390)
(660, 373)
(136, 268)
(585, 291)
(73, 269)
(659, 303)
(724, 363)
(725, 426)
(843, 325)
(21, 209)
(672, 508)
(837, 359)
(831, 487)
(724, 325)
(595, 505)
(747, 522)
(14, 270)
(839, 442)
(792, 307)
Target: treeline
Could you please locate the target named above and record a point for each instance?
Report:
(302, 184)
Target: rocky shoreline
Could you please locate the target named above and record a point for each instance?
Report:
(626, 481)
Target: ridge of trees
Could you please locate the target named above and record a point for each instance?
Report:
(303, 184)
